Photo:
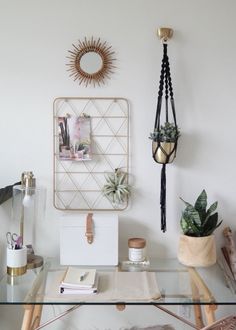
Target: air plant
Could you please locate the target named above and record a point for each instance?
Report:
(116, 188)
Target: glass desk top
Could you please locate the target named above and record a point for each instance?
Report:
(179, 285)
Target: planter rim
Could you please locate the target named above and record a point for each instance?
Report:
(197, 236)
(173, 141)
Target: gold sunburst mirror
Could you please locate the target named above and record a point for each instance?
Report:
(91, 61)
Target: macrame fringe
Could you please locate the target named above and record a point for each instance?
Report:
(163, 198)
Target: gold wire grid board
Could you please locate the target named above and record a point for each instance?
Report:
(78, 183)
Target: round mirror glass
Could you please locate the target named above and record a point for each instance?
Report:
(91, 62)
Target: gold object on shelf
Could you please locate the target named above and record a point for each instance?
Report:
(165, 33)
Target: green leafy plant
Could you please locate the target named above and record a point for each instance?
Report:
(116, 188)
(167, 133)
(197, 220)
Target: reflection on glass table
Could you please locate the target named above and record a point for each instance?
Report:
(178, 285)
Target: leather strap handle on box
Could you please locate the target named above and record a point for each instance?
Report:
(89, 228)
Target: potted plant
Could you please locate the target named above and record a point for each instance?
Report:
(164, 142)
(197, 244)
(116, 188)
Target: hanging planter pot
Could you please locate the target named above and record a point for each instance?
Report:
(164, 143)
(165, 134)
(163, 152)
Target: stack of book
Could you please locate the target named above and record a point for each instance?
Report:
(79, 281)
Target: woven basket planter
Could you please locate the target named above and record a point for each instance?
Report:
(197, 251)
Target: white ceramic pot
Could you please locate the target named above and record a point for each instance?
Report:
(16, 261)
(197, 251)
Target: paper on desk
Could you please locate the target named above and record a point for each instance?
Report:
(112, 287)
(135, 286)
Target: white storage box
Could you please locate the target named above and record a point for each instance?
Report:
(74, 246)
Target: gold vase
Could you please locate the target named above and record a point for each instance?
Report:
(164, 151)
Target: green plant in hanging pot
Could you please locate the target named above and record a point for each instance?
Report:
(197, 244)
(164, 142)
(116, 188)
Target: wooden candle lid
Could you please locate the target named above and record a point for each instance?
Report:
(137, 243)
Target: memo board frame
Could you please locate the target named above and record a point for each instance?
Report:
(77, 185)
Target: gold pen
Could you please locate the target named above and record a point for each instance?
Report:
(82, 276)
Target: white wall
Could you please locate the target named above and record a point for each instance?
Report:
(35, 37)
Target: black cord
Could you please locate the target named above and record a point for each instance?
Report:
(163, 198)
(165, 84)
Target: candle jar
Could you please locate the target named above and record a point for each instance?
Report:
(137, 251)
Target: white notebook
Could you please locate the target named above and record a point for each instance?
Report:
(68, 290)
(77, 278)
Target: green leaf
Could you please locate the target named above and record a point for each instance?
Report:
(197, 220)
(212, 208)
(122, 178)
(184, 225)
(186, 203)
(189, 228)
(210, 224)
(201, 202)
(110, 179)
(118, 195)
(192, 214)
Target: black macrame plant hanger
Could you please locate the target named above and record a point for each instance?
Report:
(164, 152)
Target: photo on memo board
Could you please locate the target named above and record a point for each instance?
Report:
(74, 138)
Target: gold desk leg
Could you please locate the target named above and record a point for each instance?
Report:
(27, 318)
(197, 308)
(32, 317)
(198, 286)
(33, 312)
(36, 316)
(210, 313)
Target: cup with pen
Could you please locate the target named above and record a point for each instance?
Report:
(16, 255)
